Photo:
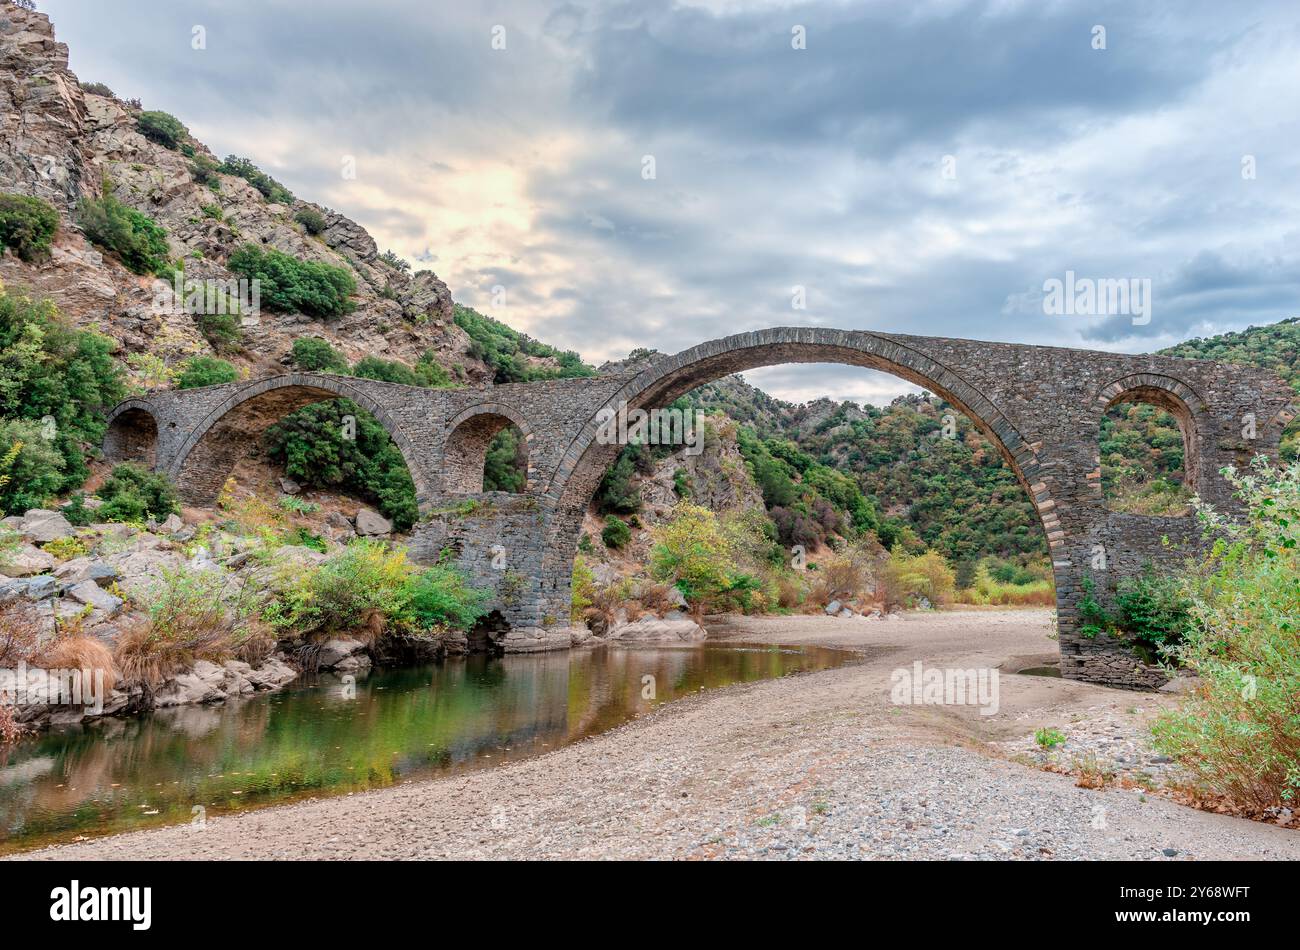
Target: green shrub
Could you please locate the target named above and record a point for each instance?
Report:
(442, 598)
(314, 355)
(206, 371)
(1239, 731)
(341, 594)
(1150, 609)
(134, 237)
(388, 371)
(310, 444)
(290, 285)
(134, 494)
(33, 469)
(27, 226)
(98, 89)
(163, 128)
(271, 189)
(312, 221)
(505, 467)
(1049, 738)
(50, 370)
(506, 350)
(431, 374)
(221, 330)
(616, 533)
(206, 172)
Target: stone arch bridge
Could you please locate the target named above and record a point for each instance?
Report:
(1041, 406)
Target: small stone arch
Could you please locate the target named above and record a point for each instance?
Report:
(132, 434)
(233, 427)
(469, 434)
(1169, 394)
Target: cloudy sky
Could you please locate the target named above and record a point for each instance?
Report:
(915, 167)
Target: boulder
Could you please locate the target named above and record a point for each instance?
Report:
(272, 674)
(41, 526)
(28, 560)
(32, 588)
(833, 608)
(81, 569)
(88, 592)
(372, 523)
(339, 653)
(171, 525)
(657, 630)
(847, 614)
(140, 570)
(289, 486)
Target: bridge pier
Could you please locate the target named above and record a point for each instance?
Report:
(498, 540)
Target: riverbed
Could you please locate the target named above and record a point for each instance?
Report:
(328, 736)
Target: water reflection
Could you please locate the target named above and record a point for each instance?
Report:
(322, 738)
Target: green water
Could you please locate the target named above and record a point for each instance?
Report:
(177, 765)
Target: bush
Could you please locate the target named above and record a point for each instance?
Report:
(134, 494)
(50, 370)
(1150, 610)
(362, 589)
(134, 237)
(290, 285)
(387, 371)
(310, 445)
(163, 128)
(1006, 584)
(616, 533)
(31, 466)
(314, 355)
(271, 189)
(909, 577)
(206, 172)
(505, 467)
(441, 598)
(98, 89)
(582, 588)
(27, 226)
(206, 371)
(77, 652)
(1239, 731)
(221, 330)
(312, 221)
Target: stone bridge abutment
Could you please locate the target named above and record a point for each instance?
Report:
(1041, 406)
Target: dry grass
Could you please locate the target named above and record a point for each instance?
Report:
(147, 654)
(80, 653)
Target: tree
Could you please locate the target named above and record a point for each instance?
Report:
(293, 286)
(163, 128)
(27, 226)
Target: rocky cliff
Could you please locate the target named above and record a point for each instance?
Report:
(62, 143)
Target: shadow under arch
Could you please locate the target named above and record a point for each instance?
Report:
(131, 434)
(469, 434)
(586, 458)
(205, 459)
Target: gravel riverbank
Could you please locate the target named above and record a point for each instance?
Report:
(820, 765)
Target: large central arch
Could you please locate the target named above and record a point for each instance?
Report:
(586, 459)
(235, 425)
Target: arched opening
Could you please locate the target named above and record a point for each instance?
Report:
(132, 437)
(953, 426)
(1146, 454)
(486, 451)
(326, 432)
